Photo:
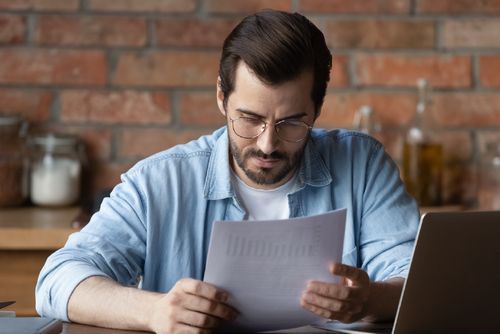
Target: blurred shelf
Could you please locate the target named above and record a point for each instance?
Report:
(34, 228)
(28, 235)
(443, 208)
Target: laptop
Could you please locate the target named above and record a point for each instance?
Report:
(453, 285)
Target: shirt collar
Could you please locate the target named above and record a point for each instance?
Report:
(312, 170)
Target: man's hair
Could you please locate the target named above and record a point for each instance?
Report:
(277, 46)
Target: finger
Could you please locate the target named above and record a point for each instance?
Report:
(336, 291)
(197, 319)
(209, 307)
(330, 304)
(356, 275)
(345, 317)
(199, 288)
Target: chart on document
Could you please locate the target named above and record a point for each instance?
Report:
(265, 265)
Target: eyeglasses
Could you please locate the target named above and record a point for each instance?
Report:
(288, 130)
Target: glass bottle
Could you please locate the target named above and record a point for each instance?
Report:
(423, 154)
(365, 121)
(13, 161)
(489, 178)
(56, 168)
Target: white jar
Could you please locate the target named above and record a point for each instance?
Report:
(55, 170)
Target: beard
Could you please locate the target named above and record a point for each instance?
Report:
(266, 176)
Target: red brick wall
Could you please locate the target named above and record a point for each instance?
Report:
(133, 77)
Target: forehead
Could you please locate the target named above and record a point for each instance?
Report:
(272, 101)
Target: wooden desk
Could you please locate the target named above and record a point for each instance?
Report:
(28, 235)
(69, 328)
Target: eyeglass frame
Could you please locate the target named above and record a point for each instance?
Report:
(309, 128)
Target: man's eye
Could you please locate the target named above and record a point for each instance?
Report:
(292, 123)
(252, 121)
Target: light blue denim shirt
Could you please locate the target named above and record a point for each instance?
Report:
(157, 222)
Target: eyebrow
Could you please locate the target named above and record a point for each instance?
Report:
(252, 113)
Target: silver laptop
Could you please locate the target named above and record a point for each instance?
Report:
(453, 285)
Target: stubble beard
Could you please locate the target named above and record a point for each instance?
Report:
(265, 176)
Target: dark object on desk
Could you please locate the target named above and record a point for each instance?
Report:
(30, 326)
(5, 304)
(89, 207)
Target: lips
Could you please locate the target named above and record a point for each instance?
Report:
(266, 163)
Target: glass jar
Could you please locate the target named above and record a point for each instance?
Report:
(13, 161)
(56, 170)
(489, 178)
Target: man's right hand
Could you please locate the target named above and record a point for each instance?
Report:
(191, 306)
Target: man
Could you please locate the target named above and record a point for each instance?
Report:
(267, 163)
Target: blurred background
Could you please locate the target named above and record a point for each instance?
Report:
(132, 77)
(89, 87)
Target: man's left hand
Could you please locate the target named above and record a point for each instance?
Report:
(346, 301)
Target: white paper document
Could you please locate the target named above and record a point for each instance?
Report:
(265, 266)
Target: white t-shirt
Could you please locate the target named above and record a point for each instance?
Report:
(262, 204)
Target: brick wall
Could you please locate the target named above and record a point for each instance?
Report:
(133, 77)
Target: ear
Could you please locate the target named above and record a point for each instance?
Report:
(220, 98)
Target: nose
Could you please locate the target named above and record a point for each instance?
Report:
(267, 141)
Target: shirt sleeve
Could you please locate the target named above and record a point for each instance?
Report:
(389, 221)
(112, 244)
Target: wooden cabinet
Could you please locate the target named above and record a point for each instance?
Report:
(28, 235)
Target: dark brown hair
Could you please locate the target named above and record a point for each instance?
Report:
(277, 46)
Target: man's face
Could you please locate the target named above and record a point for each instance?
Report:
(267, 161)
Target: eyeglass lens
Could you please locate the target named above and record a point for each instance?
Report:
(249, 127)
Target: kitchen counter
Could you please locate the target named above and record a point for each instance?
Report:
(29, 228)
(28, 235)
